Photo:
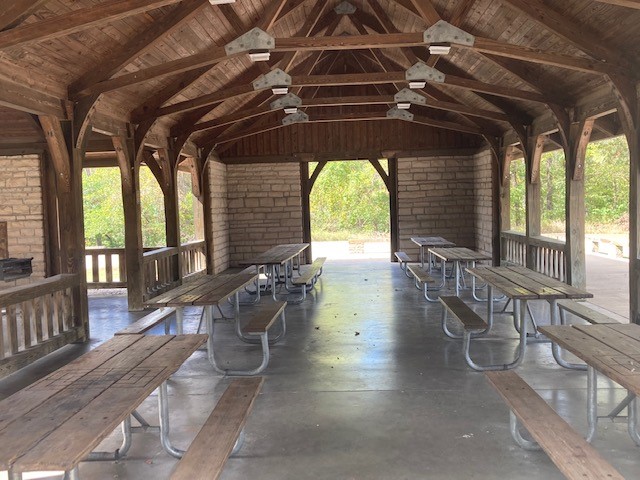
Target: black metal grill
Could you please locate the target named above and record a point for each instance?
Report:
(13, 268)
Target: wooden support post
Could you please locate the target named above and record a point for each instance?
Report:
(532, 185)
(50, 211)
(169, 162)
(130, 180)
(393, 205)
(67, 157)
(496, 206)
(305, 189)
(634, 224)
(579, 136)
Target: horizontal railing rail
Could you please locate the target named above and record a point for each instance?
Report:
(37, 319)
(545, 255)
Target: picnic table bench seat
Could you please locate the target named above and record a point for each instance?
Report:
(220, 436)
(571, 453)
(422, 277)
(309, 276)
(262, 317)
(580, 309)
(149, 321)
(474, 325)
(403, 259)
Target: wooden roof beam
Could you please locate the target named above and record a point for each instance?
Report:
(15, 12)
(558, 24)
(623, 3)
(20, 97)
(77, 20)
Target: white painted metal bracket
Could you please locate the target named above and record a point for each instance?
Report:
(254, 39)
(299, 117)
(395, 112)
(275, 78)
(289, 100)
(406, 95)
(443, 32)
(420, 71)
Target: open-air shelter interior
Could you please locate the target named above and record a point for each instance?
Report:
(252, 99)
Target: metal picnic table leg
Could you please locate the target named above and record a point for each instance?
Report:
(179, 320)
(592, 402)
(632, 420)
(555, 348)
(163, 414)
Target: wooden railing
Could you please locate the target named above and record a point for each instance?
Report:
(194, 258)
(160, 269)
(106, 267)
(37, 319)
(546, 255)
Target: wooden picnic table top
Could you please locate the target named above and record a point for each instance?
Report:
(524, 284)
(204, 290)
(612, 349)
(277, 255)
(459, 254)
(57, 421)
(432, 242)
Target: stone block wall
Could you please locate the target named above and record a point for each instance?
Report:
(436, 197)
(219, 215)
(21, 206)
(483, 201)
(265, 208)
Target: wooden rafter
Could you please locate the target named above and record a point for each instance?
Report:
(623, 3)
(21, 97)
(426, 10)
(139, 44)
(77, 20)
(15, 12)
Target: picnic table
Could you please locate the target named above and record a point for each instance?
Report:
(274, 258)
(428, 242)
(59, 420)
(457, 255)
(614, 351)
(521, 285)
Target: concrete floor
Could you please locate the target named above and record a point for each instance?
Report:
(364, 386)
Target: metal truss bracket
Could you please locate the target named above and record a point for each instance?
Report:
(254, 39)
(275, 78)
(420, 71)
(443, 32)
(395, 112)
(345, 8)
(289, 100)
(406, 95)
(299, 117)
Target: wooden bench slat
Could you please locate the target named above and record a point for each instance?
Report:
(262, 320)
(571, 453)
(209, 451)
(148, 321)
(581, 310)
(421, 274)
(403, 257)
(470, 319)
(310, 272)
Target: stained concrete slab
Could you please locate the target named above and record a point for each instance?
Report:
(364, 386)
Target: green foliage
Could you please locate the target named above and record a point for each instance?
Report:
(104, 215)
(606, 188)
(349, 196)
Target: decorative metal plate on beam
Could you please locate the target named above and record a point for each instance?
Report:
(298, 117)
(406, 95)
(345, 8)
(443, 32)
(289, 100)
(254, 39)
(421, 71)
(395, 112)
(275, 78)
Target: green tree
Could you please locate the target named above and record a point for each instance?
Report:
(349, 198)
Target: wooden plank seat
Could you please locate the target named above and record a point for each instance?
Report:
(221, 435)
(473, 326)
(580, 309)
(309, 276)
(149, 321)
(571, 453)
(262, 318)
(403, 260)
(422, 277)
